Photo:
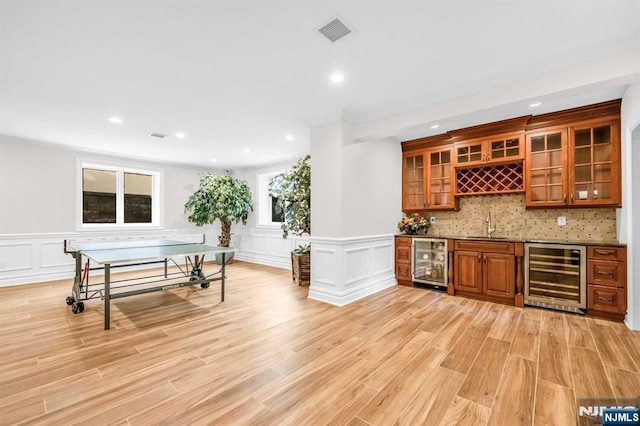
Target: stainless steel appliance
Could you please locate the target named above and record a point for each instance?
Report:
(430, 263)
(555, 276)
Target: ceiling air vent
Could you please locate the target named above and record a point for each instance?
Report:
(158, 135)
(334, 30)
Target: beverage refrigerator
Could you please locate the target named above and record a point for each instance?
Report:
(430, 262)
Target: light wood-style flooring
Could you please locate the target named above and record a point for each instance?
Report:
(270, 356)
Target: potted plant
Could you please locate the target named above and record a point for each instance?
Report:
(220, 197)
(414, 224)
(292, 191)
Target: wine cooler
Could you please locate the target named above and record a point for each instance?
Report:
(430, 265)
(555, 276)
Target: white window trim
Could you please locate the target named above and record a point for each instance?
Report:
(157, 207)
(264, 200)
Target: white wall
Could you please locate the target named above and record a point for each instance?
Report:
(38, 187)
(38, 208)
(260, 243)
(355, 202)
(372, 182)
(629, 216)
(326, 179)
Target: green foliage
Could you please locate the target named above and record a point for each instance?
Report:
(302, 249)
(292, 190)
(220, 197)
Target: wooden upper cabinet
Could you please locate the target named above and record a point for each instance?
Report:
(576, 165)
(546, 168)
(428, 178)
(594, 164)
(493, 149)
(413, 181)
(440, 179)
(568, 158)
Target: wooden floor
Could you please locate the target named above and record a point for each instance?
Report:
(268, 355)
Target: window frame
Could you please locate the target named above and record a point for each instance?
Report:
(157, 199)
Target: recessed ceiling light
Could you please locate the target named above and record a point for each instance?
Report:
(115, 120)
(337, 77)
(289, 137)
(246, 150)
(213, 160)
(180, 135)
(435, 126)
(535, 104)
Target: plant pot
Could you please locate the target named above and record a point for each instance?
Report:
(301, 268)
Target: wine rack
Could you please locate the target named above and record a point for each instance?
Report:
(494, 179)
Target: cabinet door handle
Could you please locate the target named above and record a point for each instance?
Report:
(485, 258)
(606, 274)
(479, 257)
(564, 199)
(605, 299)
(602, 252)
(571, 198)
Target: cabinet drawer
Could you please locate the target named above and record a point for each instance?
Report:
(611, 274)
(403, 241)
(403, 255)
(485, 246)
(403, 271)
(607, 253)
(607, 299)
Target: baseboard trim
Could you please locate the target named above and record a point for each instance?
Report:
(344, 298)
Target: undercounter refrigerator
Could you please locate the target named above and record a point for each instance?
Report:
(555, 276)
(430, 263)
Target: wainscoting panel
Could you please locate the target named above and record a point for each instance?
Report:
(382, 259)
(359, 267)
(51, 256)
(357, 263)
(31, 258)
(16, 256)
(265, 246)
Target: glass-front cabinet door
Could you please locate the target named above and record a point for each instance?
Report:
(545, 179)
(505, 147)
(469, 153)
(593, 161)
(413, 173)
(440, 180)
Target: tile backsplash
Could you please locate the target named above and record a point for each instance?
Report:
(512, 220)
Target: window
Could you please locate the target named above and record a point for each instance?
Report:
(267, 215)
(275, 215)
(112, 196)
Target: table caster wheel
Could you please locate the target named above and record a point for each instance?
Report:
(204, 285)
(70, 300)
(80, 306)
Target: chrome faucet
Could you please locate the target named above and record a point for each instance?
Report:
(489, 228)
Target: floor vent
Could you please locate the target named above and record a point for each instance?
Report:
(158, 135)
(334, 30)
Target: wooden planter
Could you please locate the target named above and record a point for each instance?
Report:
(301, 268)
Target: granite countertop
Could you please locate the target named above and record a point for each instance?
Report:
(611, 243)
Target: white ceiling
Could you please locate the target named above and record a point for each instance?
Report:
(237, 74)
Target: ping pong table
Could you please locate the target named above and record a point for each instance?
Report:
(119, 254)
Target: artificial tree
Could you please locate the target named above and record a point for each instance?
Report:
(292, 191)
(220, 197)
